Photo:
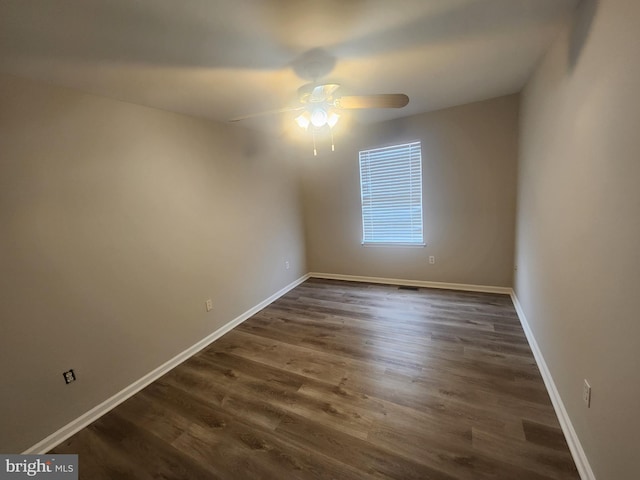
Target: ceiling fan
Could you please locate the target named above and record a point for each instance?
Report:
(320, 106)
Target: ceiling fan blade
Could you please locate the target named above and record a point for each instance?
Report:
(322, 92)
(266, 113)
(384, 100)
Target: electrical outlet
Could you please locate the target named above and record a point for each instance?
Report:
(69, 376)
(586, 393)
(209, 305)
(286, 264)
(432, 259)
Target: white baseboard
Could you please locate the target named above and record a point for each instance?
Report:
(414, 283)
(87, 418)
(579, 457)
(92, 415)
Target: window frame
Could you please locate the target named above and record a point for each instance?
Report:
(411, 188)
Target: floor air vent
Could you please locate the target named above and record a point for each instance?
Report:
(407, 287)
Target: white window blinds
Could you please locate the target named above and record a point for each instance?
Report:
(391, 190)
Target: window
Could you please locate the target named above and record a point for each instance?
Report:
(391, 190)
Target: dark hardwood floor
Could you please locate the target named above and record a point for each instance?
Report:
(339, 380)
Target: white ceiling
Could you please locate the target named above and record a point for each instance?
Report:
(223, 58)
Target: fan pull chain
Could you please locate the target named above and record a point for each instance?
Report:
(315, 151)
(333, 148)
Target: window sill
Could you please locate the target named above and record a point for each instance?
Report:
(410, 245)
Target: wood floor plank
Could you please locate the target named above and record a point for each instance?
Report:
(551, 462)
(374, 460)
(100, 458)
(544, 435)
(144, 448)
(236, 446)
(343, 380)
(452, 455)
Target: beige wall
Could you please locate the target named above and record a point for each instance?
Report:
(117, 223)
(578, 240)
(469, 156)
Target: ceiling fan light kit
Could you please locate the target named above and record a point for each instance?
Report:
(303, 120)
(320, 107)
(317, 117)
